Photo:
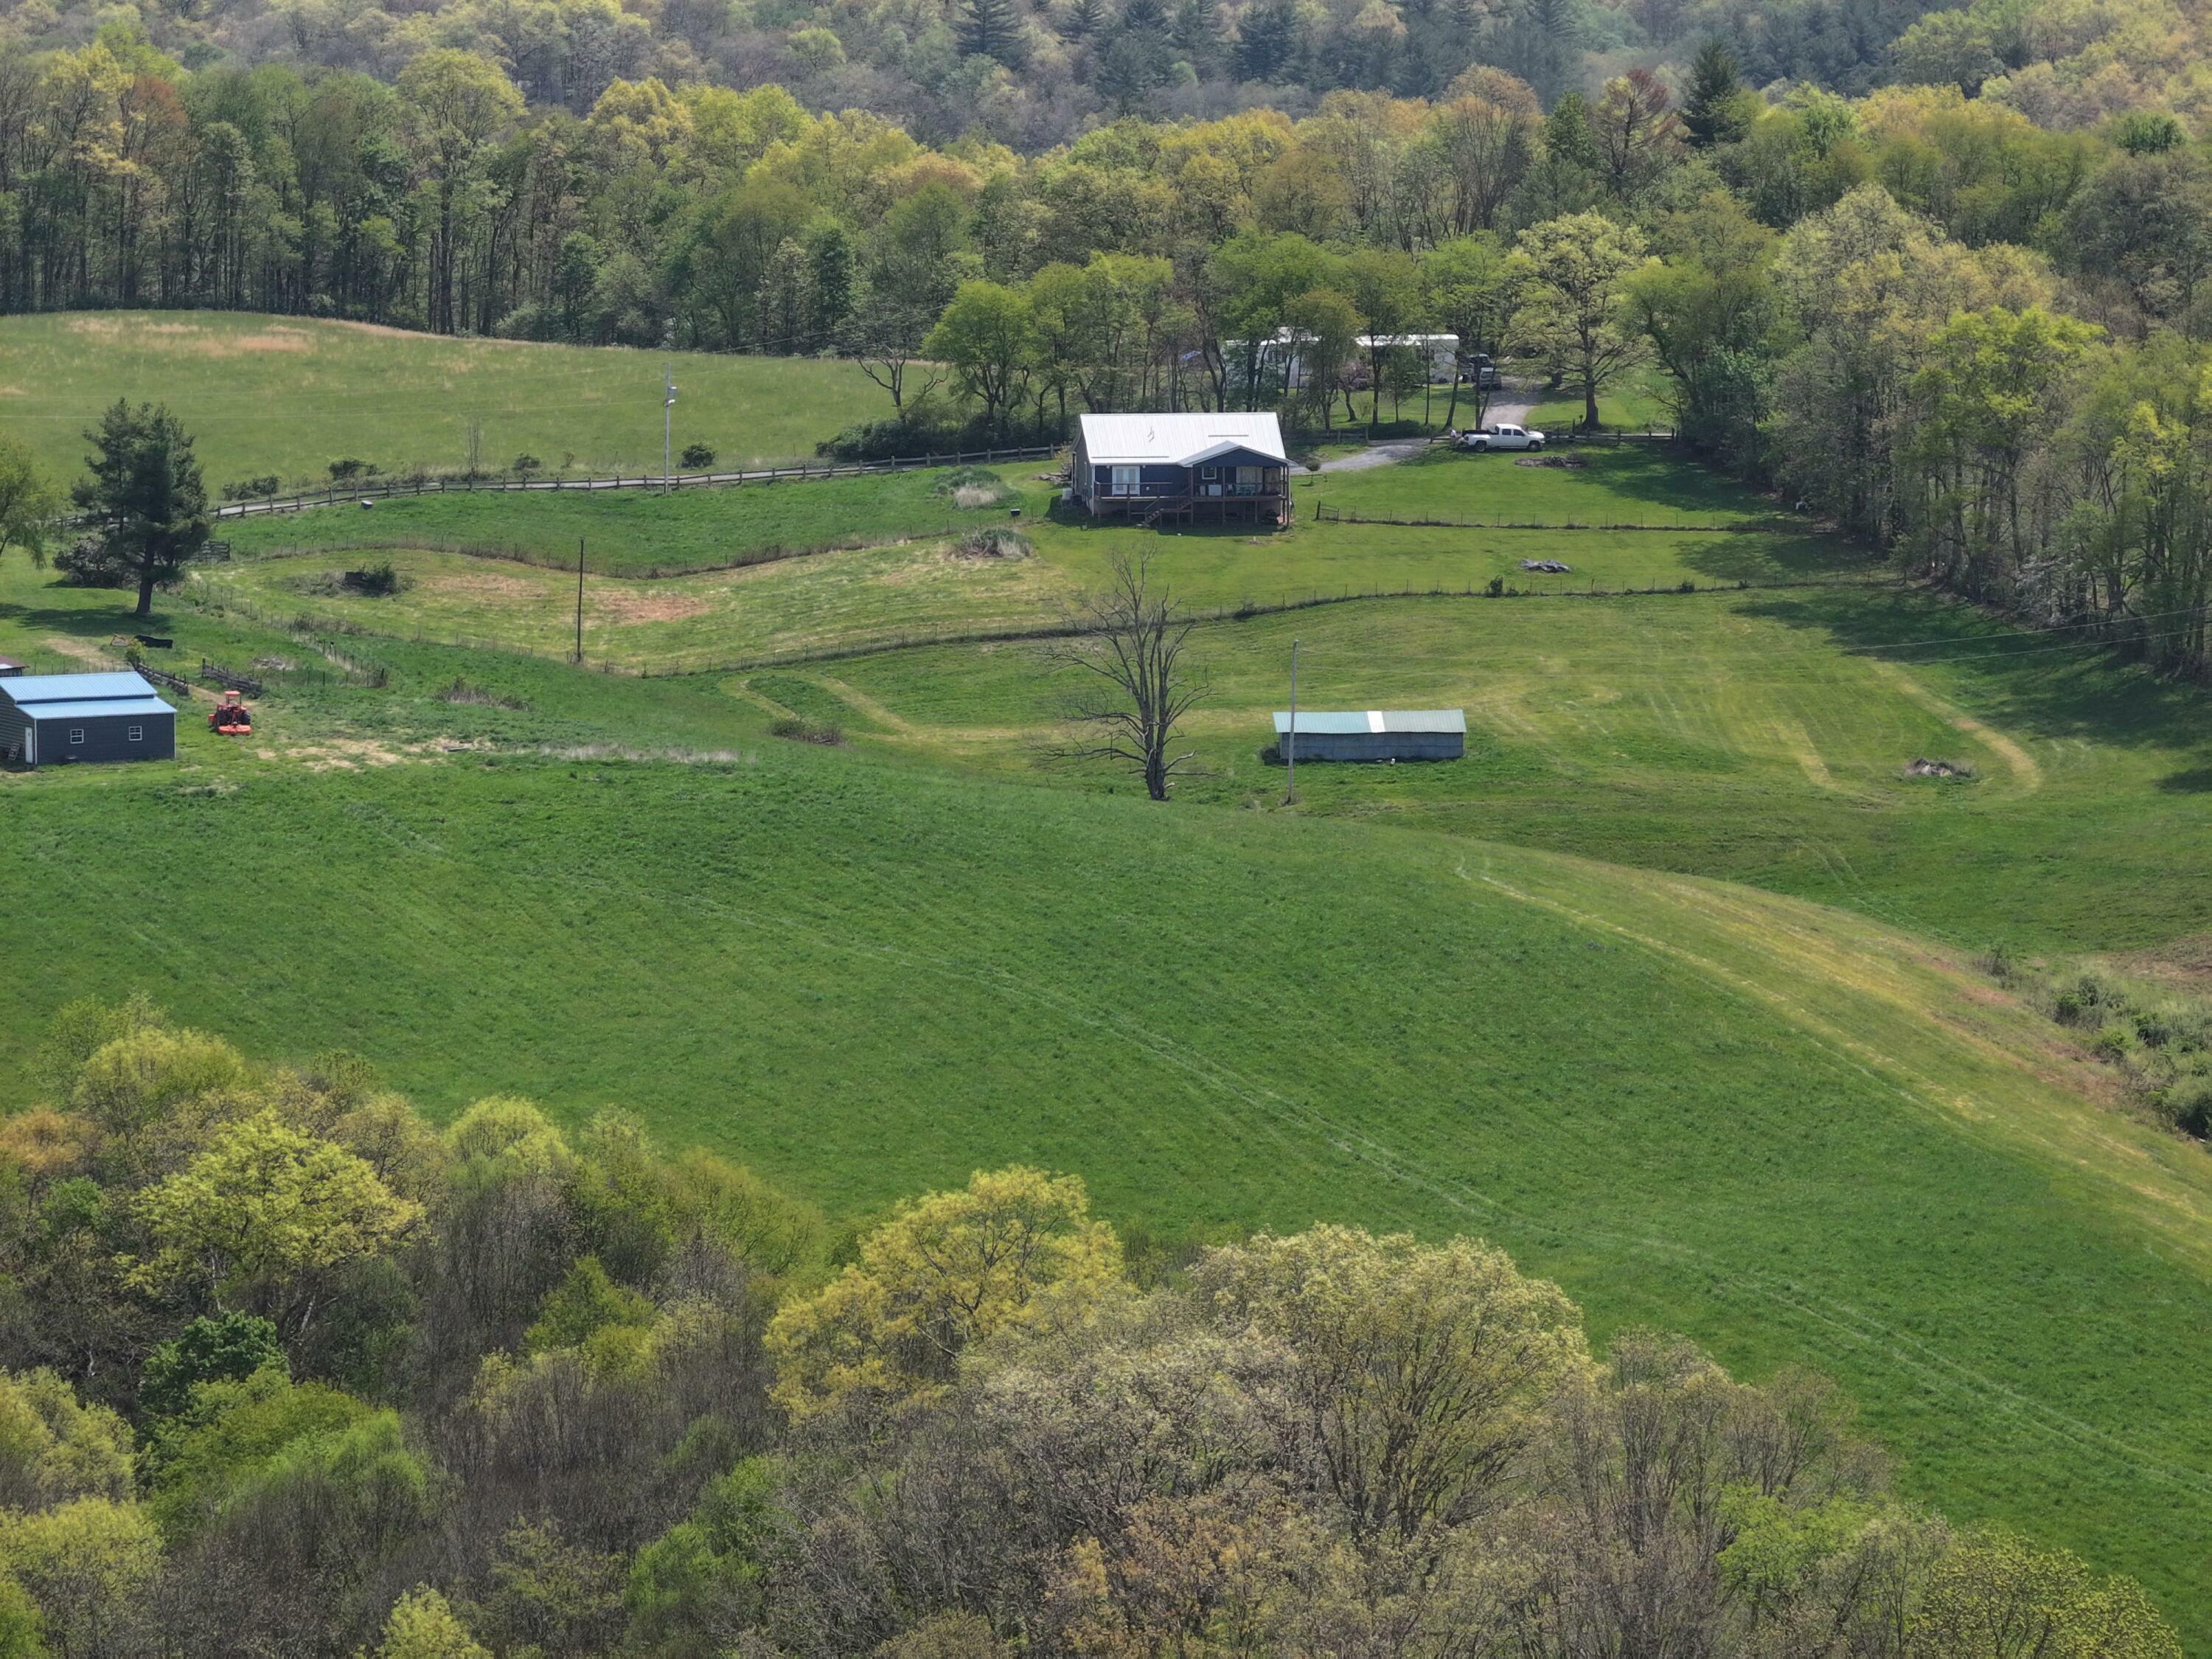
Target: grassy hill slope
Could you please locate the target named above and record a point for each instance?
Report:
(1760, 736)
(1799, 1136)
(289, 395)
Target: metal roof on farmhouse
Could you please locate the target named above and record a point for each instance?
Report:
(1320, 723)
(33, 693)
(1180, 440)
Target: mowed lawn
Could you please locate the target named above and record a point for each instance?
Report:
(287, 395)
(1794, 1134)
(1759, 737)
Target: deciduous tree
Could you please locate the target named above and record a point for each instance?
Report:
(1572, 274)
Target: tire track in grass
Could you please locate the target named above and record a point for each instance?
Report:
(2025, 771)
(1939, 1371)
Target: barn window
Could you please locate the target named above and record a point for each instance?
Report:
(76, 734)
(137, 734)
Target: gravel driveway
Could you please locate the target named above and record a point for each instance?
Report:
(1511, 410)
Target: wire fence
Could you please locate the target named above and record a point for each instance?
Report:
(371, 490)
(540, 558)
(321, 630)
(1326, 514)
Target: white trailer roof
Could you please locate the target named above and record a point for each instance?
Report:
(1180, 440)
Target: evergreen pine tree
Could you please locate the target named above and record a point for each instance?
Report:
(1715, 112)
(1196, 35)
(1567, 135)
(146, 498)
(992, 28)
(1145, 22)
(1546, 34)
(1084, 20)
(1266, 41)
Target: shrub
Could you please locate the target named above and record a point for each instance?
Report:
(799, 730)
(995, 543)
(1496, 588)
(526, 464)
(461, 691)
(2188, 1107)
(350, 467)
(2152, 1029)
(378, 581)
(2110, 1043)
(973, 487)
(2068, 1010)
(698, 457)
(248, 489)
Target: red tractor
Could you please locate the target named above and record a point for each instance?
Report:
(231, 717)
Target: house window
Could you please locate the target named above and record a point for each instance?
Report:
(1209, 473)
(137, 734)
(1125, 480)
(1247, 480)
(76, 734)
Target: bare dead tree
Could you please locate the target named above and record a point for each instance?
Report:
(1129, 637)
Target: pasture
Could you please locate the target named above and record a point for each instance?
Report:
(1668, 988)
(288, 396)
(846, 600)
(645, 532)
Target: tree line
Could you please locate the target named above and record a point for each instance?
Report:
(1957, 335)
(287, 1368)
(1036, 73)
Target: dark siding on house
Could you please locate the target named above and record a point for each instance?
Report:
(107, 738)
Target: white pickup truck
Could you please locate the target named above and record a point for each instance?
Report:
(1501, 437)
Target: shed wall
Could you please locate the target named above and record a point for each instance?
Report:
(1380, 745)
(107, 738)
(15, 732)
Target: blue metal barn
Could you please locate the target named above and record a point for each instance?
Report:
(47, 719)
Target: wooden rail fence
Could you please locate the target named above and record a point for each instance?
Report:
(371, 490)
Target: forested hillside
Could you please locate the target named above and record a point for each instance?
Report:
(1920, 315)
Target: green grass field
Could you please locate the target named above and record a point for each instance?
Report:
(1759, 737)
(897, 594)
(1666, 988)
(288, 396)
(1795, 1134)
(643, 533)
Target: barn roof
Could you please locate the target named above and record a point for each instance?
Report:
(78, 711)
(1182, 440)
(33, 693)
(1318, 723)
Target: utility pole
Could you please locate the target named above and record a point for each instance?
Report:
(667, 422)
(580, 601)
(1291, 737)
